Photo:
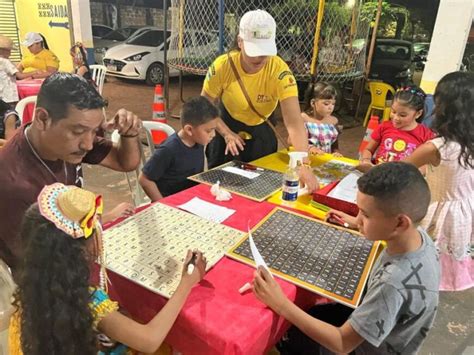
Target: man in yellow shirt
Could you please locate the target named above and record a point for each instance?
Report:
(42, 63)
(267, 81)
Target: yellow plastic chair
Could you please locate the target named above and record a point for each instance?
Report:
(378, 96)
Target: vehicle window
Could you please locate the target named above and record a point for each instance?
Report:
(115, 36)
(149, 38)
(99, 31)
(392, 51)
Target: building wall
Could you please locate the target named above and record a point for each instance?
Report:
(97, 13)
(129, 15)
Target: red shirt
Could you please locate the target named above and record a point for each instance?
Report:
(396, 144)
(22, 176)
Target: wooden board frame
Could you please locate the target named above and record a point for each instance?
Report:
(354, 302)
(199, 178)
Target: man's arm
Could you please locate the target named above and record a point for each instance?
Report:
(124, 156)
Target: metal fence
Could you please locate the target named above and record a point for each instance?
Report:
(202, 29)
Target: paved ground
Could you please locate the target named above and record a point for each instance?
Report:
(453, 332)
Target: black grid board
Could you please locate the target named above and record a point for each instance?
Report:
(321, 255)
(258, 188)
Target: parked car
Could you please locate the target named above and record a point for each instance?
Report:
(99, 31)
(420, 50)
(114, 38)
(393, 62)
(141, 56)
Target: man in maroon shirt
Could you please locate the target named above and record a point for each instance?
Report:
(68, 113)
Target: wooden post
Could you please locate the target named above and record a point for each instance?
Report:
(372, 42)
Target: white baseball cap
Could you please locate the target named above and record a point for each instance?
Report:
(257, 30)
(32, 38)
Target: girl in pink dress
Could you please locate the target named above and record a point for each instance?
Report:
(450, 175)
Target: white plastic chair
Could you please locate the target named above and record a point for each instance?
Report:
(21, 106)
(98, 75)
(150, 126)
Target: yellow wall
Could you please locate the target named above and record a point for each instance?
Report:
(50, 18)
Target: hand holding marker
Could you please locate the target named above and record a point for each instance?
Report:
(191, 264)
(339, 220)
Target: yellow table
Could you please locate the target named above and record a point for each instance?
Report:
(279, 161)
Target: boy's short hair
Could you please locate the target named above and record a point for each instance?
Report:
(61, 90)
(197, 111)
(397, 187)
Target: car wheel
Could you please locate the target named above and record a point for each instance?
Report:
(155, 74)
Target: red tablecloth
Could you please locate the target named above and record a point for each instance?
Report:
(216, 319)
(27, 88)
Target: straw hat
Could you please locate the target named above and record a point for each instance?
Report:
(71, 209)
(6, 43)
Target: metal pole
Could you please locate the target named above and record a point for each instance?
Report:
(317, 33)
(221, 26)
(369, 56)
(165, 57)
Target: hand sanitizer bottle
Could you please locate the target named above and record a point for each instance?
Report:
(291, 180)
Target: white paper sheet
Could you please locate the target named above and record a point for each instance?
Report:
(207, 210)
(346, 189)
(241, 172)
(257, 257)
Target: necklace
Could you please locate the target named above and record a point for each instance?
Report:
(35, 153)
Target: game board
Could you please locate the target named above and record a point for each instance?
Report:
(258, 189)
(320, 257)
(149, 247)
(331, 171)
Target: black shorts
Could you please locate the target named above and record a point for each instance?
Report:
(263, 142)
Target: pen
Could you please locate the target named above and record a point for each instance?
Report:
(191, 263)
(339, 220)
(250, 167)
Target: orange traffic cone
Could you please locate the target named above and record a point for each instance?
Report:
(373, 124)
(159, 114)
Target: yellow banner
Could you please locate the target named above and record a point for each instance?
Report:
(50, 18)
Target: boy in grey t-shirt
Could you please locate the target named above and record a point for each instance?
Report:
(402, 294)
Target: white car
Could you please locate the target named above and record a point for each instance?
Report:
(141, 57)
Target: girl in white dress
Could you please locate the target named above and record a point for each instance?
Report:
(450, 175)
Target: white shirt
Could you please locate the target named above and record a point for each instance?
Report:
(8, 90)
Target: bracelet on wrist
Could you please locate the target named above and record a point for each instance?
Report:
(129, 135)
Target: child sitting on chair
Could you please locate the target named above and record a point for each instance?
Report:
(321, 125)
(9, 122)
(58, 310)
(79, 59)
(396, 139)
(8, 72)
(400, 304)
(182, 154)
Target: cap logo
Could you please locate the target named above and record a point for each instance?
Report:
(258, 33)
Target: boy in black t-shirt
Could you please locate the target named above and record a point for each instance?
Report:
(182, 154)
